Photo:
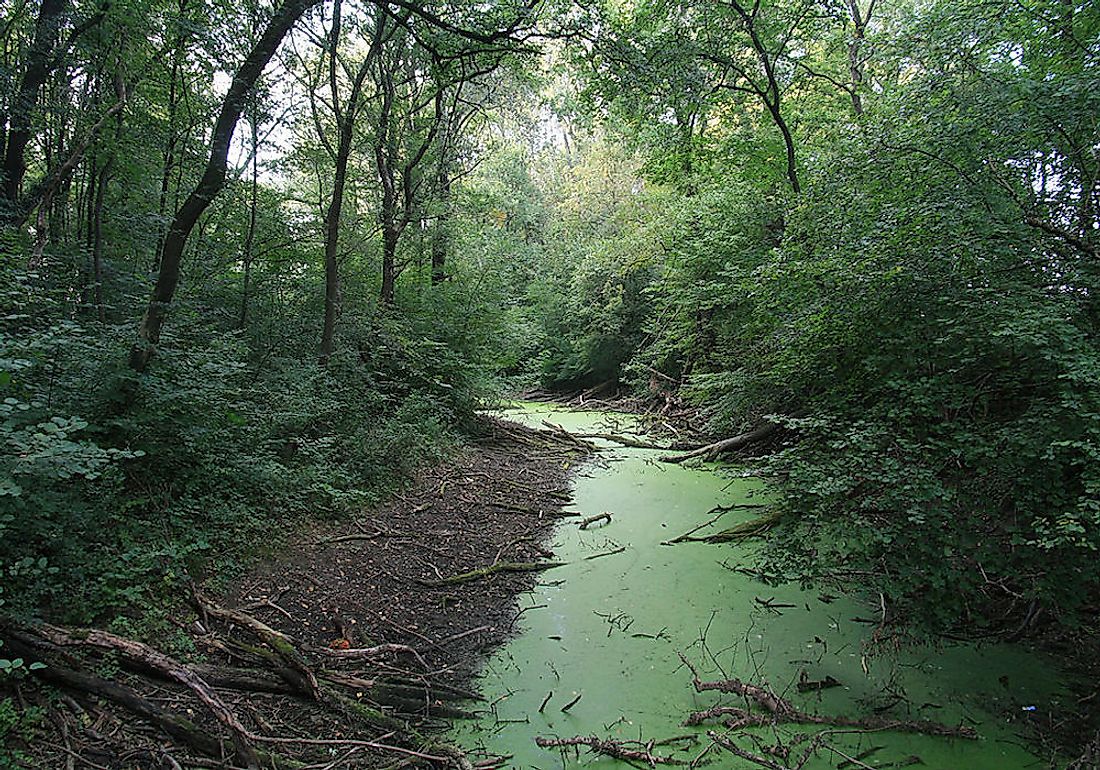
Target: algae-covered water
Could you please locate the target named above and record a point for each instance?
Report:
(609, 630)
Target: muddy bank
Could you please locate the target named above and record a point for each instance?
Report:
(396, 575)
(353, 650)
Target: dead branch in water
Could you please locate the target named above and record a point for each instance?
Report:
(782, 711)
(590, 520)
(611, 748)
(726, 445)
(614, 438)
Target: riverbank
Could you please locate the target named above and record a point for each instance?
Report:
(346, 652)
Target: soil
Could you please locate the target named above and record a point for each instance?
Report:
(495, 502)
(380, 579)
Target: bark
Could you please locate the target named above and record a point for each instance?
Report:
(441, 237)
(860, 19)
(212, 181)
(345, 121)
(727, 445)
(47, 29)
(250, 238)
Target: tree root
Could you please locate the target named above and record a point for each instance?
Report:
(611, 748)
(492, 569)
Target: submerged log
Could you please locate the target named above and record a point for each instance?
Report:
(745, 530)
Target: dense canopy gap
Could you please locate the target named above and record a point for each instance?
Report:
(259, 261)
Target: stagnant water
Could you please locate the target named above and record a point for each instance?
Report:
(610, 629)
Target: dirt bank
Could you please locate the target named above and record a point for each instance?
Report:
(350, 651)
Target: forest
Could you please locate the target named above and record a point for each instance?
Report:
(263, 263)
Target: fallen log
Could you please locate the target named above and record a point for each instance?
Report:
(144, 655)
(177, 727)
(492, 569)
(610, 748)
(615, 438)
(726, 445)
(296, 670)
(571, 438)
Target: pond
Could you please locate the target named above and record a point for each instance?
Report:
(609, 630)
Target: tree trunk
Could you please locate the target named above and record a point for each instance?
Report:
(384, 155)
(390, 237)
(855, 45)
(97, 239)
(46, 31)
(332, 239)
(212, 182)
(250, 238)
(441, 238)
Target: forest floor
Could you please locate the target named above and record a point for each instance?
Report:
(385, 618)
(383, 578)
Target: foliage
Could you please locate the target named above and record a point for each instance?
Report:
(910, 289)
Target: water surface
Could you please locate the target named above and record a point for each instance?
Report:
(610, 629)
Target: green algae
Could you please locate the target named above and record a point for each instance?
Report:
(611, 629)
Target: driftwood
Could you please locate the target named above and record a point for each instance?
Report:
(492, 569)
(726, 445)
(614, 438)
(611, 748)
(590, 520)
(782, 711)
